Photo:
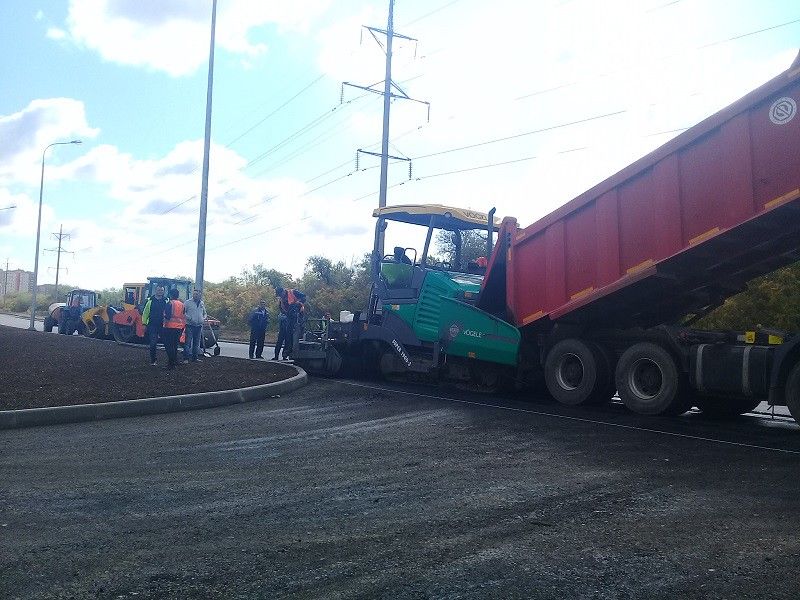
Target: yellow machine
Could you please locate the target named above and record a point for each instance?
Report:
(97, 320)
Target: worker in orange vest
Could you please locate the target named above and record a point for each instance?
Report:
(174, 322)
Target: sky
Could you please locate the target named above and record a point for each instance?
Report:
(531, 103)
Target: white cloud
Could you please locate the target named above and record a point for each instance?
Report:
(26, 133)
(39, 15)
(56, 33)
(20, 221)
(173, 35)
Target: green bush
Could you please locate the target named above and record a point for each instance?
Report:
(17, 302)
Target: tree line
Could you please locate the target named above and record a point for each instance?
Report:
(771, 301)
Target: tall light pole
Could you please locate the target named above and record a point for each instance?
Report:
(39, 232)
(201, 228)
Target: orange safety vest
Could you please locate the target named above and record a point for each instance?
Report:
(178, 319)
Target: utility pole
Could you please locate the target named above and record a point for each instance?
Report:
(59, 236)
(388, 94)
(5, 278)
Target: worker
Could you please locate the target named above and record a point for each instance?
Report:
(195, 317)
(283, 326)
(258, 320)
(174, 322)
(400, 256)
(153, 319)
(477, 266)
(293, 302)
(72, 317)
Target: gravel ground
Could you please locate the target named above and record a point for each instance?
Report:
(342, 490)
(54, 370)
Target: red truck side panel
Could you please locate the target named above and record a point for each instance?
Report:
(693, 220)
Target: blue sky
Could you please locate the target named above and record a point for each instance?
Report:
(128, 78)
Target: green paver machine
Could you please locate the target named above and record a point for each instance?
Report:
(421, 319)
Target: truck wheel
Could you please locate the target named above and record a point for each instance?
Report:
(793, 393)
(726, 408)
(48, 324)
(649, 383)
(572, 372)
(122, 333)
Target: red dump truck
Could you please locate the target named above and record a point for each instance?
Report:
(604, 289)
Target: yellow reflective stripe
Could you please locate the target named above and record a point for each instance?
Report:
(781, 199)
(704, 236)
(532, 317)
(582, 293)
(638, 267)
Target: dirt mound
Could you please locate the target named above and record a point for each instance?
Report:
(38, 369)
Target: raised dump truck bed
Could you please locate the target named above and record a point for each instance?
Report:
(672, 234)
(603, 289)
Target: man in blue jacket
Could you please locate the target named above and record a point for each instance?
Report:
(258, 320)
(153, 319)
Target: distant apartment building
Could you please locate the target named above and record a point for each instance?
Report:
(15, 281)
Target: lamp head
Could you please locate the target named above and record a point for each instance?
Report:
(75, 142)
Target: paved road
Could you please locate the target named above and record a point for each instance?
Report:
(232, 349)
(352, 490)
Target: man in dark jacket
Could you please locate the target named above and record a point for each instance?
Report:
(153, 319)
(292, 304)
(258, 320)
(283, 325)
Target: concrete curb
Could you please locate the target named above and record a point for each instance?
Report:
(57, 415)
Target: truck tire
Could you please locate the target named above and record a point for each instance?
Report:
(49, 322)
(573, 372)
(793, 392)
(649, 382)
(123, 334)
(717, 407)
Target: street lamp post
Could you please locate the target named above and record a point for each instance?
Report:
(38, 233)
(199, 275)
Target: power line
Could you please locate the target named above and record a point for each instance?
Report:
(274, 112)
(306, 193)
(255, 235)
(744, 35)
(287, 140)
(313, 123)
(433, 12)
(171, 208)
(665, 57)
(519, 135)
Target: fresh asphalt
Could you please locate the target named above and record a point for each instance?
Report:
(354, 489)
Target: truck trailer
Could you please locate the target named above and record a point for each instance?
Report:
(599, 296)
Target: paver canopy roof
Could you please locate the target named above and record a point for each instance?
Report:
(420, 214)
